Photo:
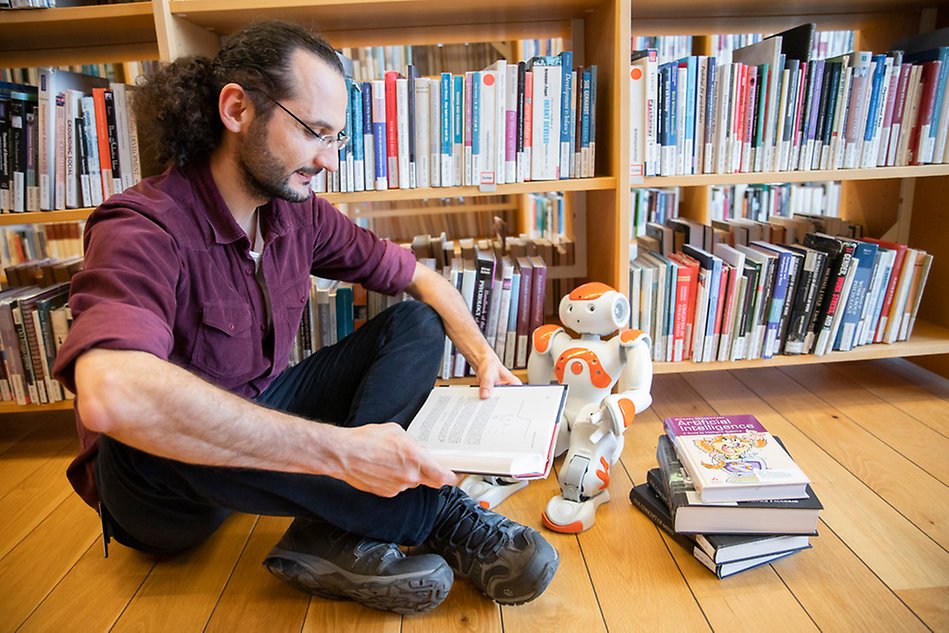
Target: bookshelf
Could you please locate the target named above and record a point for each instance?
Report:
(904, 201)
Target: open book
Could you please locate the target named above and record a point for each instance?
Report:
(511, 434)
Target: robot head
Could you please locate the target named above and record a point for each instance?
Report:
(594, 308)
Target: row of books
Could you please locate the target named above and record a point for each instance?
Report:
(34, 321)
(755, 202)
(401, 220)
(69, 142)
(825, 44)
(52, 4)
(508, 123)
(783, 200)
(26, 242)
(727, 491)
(370, 62)
(772, 288)
(506, 287)
(775, 109)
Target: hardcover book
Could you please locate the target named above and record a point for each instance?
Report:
(513, 433)
(734, 458)
(691, 515)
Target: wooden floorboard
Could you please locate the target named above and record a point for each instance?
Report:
(872, 435)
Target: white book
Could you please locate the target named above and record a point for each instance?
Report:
(510, 126)
(545, 133)
(722, 114)
(836, 154)
(487, 136)
(701, 88)
(379, 123)
(900, 296)
(888, 108)
(682, 146)
(635, 290)
(423, 141)
(445, 120)
(368, 146)
(73, 169)
(123, 132)
(500, 107)
(402, 128)
(435, 132)
(736, 259)
(638, 122)
(878, 286)
(512, 433)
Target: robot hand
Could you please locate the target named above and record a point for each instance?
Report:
(618, 412)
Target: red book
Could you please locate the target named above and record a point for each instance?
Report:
(890, 286)
(102, 138)
(693, 265)
(392, 132)
(919, 136)
(684, 277)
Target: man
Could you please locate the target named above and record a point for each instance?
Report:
(193, 287)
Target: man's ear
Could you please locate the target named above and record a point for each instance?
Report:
(234, 107)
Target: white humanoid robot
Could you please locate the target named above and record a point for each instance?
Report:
(594, 418)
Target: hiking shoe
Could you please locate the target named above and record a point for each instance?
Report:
(508, 562)
(329, 562)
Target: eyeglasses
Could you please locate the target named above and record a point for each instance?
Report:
(337, 142)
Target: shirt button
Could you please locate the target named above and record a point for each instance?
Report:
(230, 326)
(302, 299)
(247, 271)
(263, 327)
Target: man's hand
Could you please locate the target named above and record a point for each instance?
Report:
(385, 460)
(493, 372)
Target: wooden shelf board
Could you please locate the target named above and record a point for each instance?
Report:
(43, 217)
(574, 184)
(878, 173)
(12, 407)
(927, 339)
(690, 9)
(37, 35)
(339, 15)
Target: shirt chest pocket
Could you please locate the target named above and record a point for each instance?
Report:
(224, 345)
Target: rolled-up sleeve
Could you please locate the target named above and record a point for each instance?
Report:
(124, 298)
(350, 253)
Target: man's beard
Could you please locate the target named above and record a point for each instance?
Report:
(263, 175)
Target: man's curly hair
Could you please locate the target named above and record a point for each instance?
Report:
(176, 107)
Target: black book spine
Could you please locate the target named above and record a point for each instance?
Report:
(794, 271)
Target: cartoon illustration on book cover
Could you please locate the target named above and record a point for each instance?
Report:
(735, 454)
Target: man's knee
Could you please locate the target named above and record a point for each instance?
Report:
(421, 320)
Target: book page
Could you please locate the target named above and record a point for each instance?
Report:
(515, 422)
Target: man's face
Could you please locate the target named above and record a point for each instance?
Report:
(277, 155)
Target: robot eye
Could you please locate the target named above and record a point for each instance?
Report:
(570, 308)
(591, 307)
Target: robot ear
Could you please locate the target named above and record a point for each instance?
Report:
(620, 310)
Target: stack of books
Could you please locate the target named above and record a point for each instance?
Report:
(729, 492)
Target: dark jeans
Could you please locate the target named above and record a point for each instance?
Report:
(380, 373)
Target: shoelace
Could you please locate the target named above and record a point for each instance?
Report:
(464, 526)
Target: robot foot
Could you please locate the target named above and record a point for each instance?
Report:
(572, 517)
(489, 495)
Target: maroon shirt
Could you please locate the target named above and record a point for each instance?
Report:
(167, 271)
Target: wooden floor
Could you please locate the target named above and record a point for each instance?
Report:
(872, 436)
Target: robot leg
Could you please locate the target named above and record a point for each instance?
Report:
(489, 492)
(584, 478)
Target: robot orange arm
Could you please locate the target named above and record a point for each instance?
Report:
(540, 363)
(635, 383)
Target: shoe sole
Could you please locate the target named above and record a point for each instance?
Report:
(407, 594)
(545, 577)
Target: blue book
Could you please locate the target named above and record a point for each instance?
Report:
(344, 312)
(446, 118)
(587, 92)
(667, 111)
(458, 127)
(356, 139)
(691, 69)
(794, 263)
(779, 294)
(345, 153)
(876, 86)
(865, 252)
(566, 115)
(713, 265)
(476, 125)
(368, 146)
(381, 152)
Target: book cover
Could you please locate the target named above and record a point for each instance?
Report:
(513, 433)
(734, 458)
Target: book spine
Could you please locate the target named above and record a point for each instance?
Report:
(392, 130)
(566, 92)
(380, 135)
(368, 137)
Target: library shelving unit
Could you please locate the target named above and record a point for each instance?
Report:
(904, 203)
